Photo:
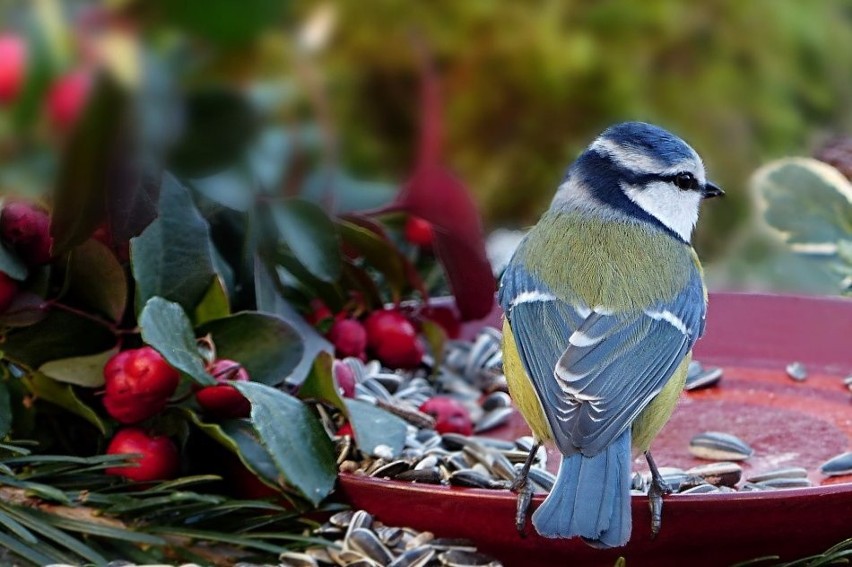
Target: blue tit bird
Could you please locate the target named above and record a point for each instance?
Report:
(603, 301)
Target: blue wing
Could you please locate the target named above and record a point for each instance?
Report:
(595, 371)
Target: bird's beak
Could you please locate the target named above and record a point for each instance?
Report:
(711, 190)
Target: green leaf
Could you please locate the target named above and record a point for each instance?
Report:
(239, 437)
(311, 236)
(5, 410)
(214, 304)
(808, 201)
(379, 252)
(11, 265)
(435, 337)
(96, 277)
(171, 258)
(301, 450)
(63, 395)
(219, 126)
(223, 21)
(231, 188)
(86, 371)
(60, 335)
(320, 385)
(374, 427)
(39, 74)
(269, 300)
(26, 309)
(265, 345)
(83, 184)
(166, 327)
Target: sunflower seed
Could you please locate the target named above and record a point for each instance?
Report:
(417, 557)
(493, 419)
(718, 446)
(797, 371)
(718, 474)
(496, 400)
(700, 489)
(543, 478)
(704, 379)
(788, 472)
(458, 558)
(368, 543)
(391, 469)
(473, 479)
(837, 466)
(294, 559)
(449, 543)
(785, 483)
(424, 476)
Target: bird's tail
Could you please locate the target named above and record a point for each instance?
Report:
(591, 498)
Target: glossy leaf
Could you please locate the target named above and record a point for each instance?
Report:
(84, 183)
(378, 251)
(214, 304)
(265, 345)
(172, 258)
(311, 236)
(345, 193)
(59, 335)
(5, 410)
(86, 371)
(231, 188)
(269, 300)
(374, 426)
(220, 124)
(239, 437)
(808, 202)
(302, 450)
(320, 384)
(11, 265)
(96, 277)
(166, 327)
(63, 395)
(26, 309)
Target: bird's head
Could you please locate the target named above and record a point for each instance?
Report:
(640, 171)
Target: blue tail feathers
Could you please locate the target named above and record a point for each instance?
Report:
(591, 498)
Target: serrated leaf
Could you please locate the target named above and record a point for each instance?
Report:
(239, 437)
(63, 395)
(320, 384)
(5, 410)
(60, 335)
(166, 327)
(376, 427)
(86, 371)
(96, 277)
(214, 304)
(268, 347)
(301, 450)
(269, 300)
(172, 258)
(808, 201)
(311, 236)
(83, 184)
(11, 265)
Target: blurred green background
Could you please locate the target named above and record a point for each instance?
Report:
(527, 85)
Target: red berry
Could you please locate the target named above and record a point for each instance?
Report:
(393, 339)
(319, 314)
(446, 317)
(345, 429)
(225, 401)
(13, 59)
(26, 227)
(419, 231)
(158, 458)
(344, 377)
(66, 99)
(349, 338)
(8, 291)
(138, 384)
(450, 415)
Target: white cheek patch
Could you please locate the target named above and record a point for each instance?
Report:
(675, 208)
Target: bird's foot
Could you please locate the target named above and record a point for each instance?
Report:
(656, 491)
(524, 490)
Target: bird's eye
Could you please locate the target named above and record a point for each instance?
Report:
(685, 181)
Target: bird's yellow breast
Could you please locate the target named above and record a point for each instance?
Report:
(521, 387)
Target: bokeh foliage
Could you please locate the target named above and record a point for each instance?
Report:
(529, 84)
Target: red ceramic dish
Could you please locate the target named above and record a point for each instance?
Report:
(788, 423)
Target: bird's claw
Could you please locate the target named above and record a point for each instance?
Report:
(525, 493)
(656, 491)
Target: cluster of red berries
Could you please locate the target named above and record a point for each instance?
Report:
(138, 384)
(66, 96)
(25, 228)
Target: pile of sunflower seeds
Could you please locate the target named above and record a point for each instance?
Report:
(358, 540)
(471, 373)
